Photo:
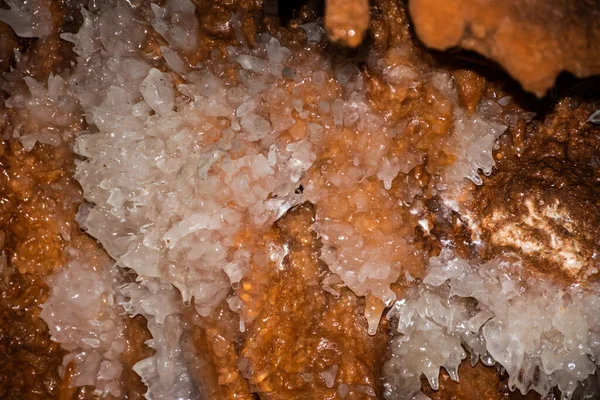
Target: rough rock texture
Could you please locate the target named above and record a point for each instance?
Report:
(211, 348)
(543, 200)
(534, 40)
(305, 343)
(36, 210)
(294, 336)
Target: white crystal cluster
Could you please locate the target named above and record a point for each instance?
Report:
(474, 136)
(28, 18)
(165, 373)
(543, 334)
(84, 317)
(176, 172)
(48, 111)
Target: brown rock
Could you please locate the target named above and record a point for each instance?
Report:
(346, 21)
(534, 41)
(211, 353)
(541, 201)
(306, 343)
(476, 383)
(471, 88)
